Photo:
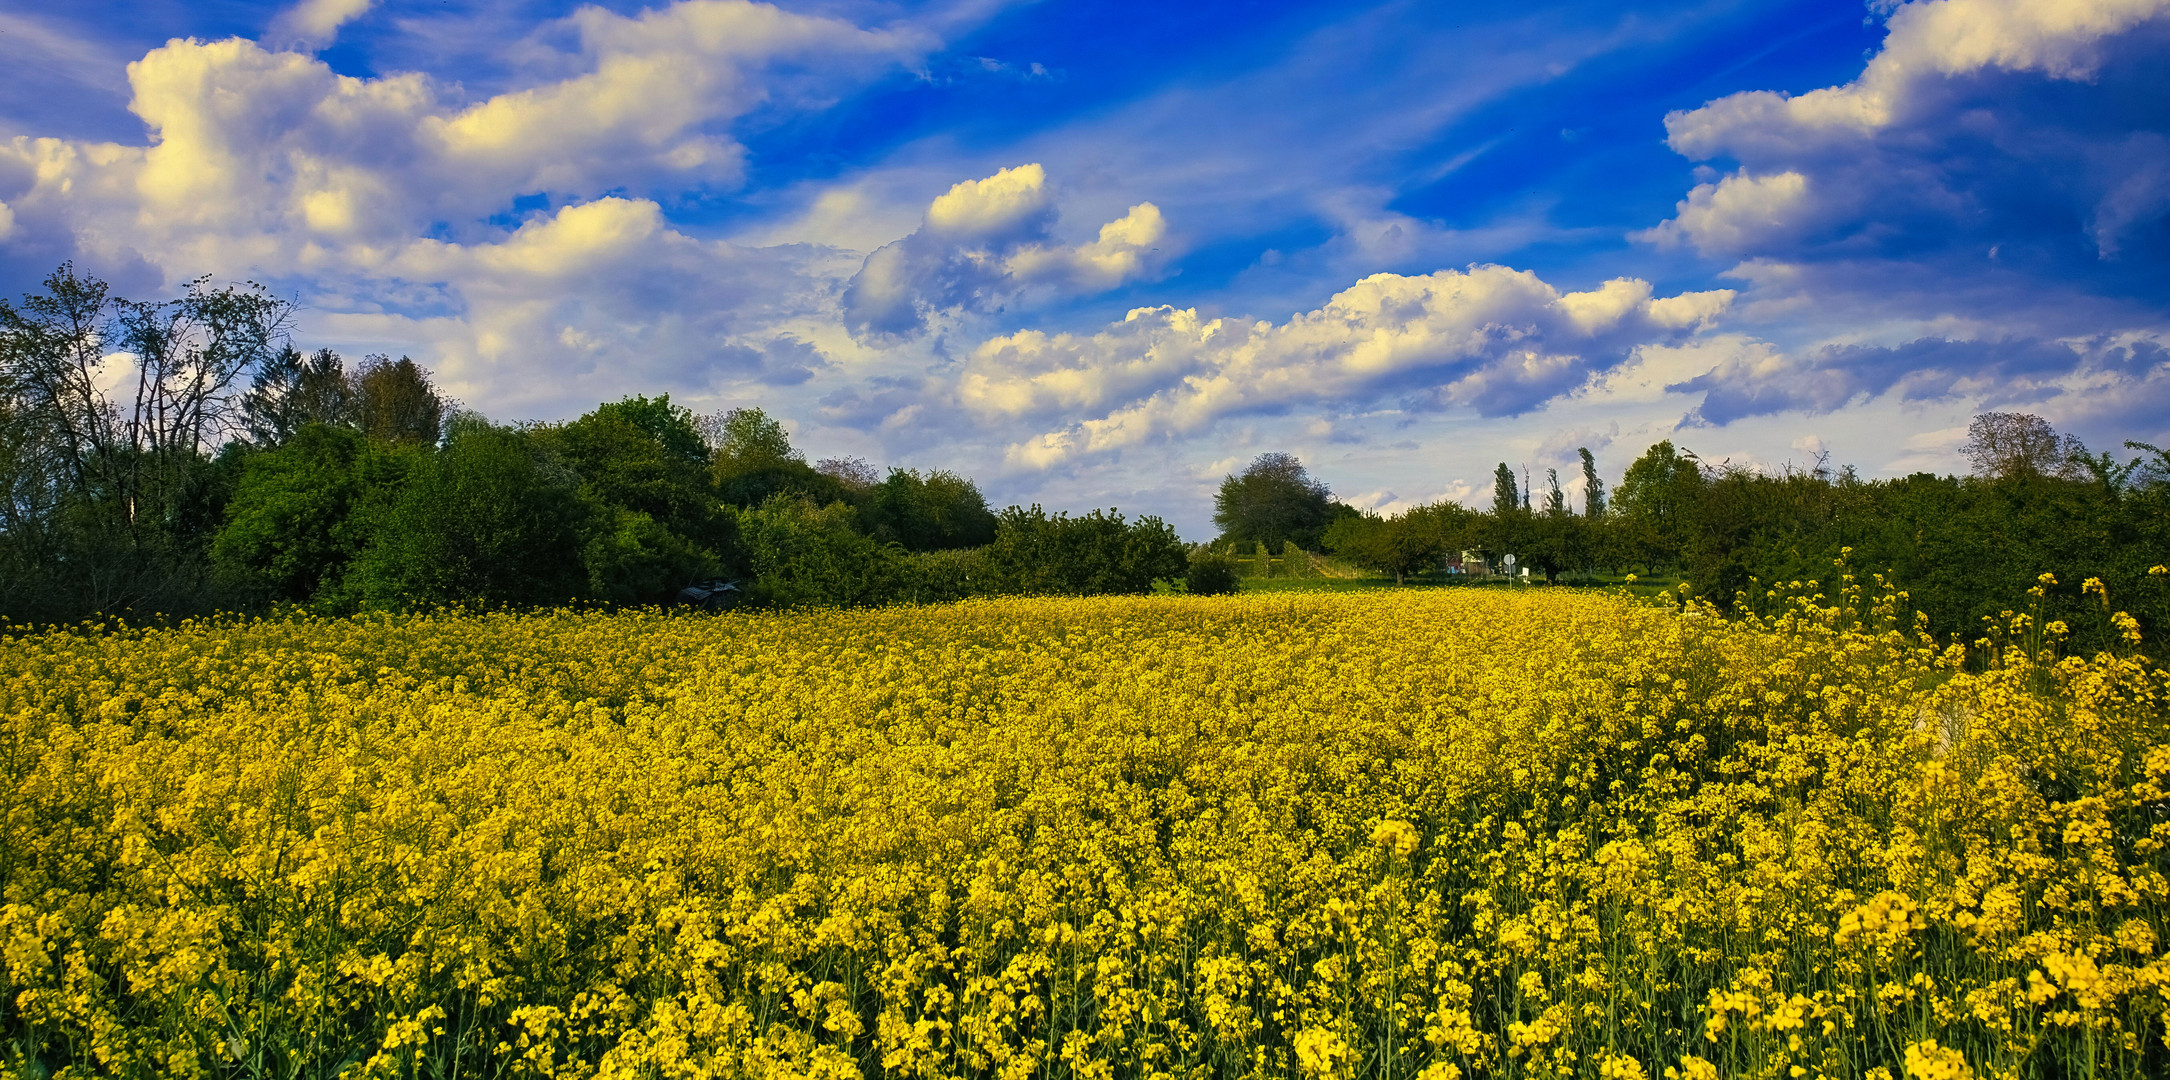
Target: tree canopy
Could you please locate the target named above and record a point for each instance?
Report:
(1275, 499)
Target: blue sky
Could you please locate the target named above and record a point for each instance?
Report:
(1104, 254)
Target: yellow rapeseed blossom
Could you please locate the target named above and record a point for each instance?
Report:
(1416, 835)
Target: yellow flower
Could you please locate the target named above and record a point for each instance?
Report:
(1925, 1060)
(1399, 837)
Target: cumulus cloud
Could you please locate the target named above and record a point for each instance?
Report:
(1491, 339)
(1978, 125)
(984, 241)
(259, 158)
(389, 196)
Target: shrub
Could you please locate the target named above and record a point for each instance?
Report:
(1211, 573)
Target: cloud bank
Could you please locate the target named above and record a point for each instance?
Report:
(1490, 339)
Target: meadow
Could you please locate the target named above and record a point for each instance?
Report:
(1421, 834)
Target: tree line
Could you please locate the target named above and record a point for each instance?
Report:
(1962, 548)
(182, 457)
(185, 457)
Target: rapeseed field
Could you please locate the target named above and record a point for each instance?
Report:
(1423, 835)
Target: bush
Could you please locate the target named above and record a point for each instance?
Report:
(1096, 554)
(1211, 573)
(480, 521)
(804, 555)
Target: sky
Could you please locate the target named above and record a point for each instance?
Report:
(1105, 254)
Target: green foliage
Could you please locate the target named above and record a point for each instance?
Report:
(1593, 486)
(395, 402)
(935, 512)
(1095, 554)
(302, 512)
(1275, 500)
(1654, 505)
(635, 559)
(641, 456)
(1506, 494)
(801, 554)
(1211, 572)
(1405, 543)
(481, 520)
(752, 461)
(1295, 562)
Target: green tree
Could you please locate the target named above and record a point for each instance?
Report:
(482, 520)
(291, 391)
(395, 401)
(1094, 554)
(1656, 502)
(1274, 500)
(1506, 495)
(1593, 488)
(302, 512)
(643, 455)
(752, 460)
(1211, 572)
(801, 553)
(935, 512)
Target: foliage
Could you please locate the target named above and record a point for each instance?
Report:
(1654, 504)
(934, 512)
(1403, 544)
(1506, 494)
(1593, 486)
(1091, 555)
(752, 461)
(1211, 572)
(303, 511)
(1273, 501)
(1405, 834)
(801, 555)
(480, 520)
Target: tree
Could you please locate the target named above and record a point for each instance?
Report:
(640, 454)
(395, 402)
(1211, 573)
(301, 512)
(936, 512)
(1656, 502)
(1093, 554)
(481, 520)
(751, 460)
(1593, 489)
(291, 391)
(180, 400)
(855, 474)
(1555, 499)
(115, 412)
(2010, 446)
(1506, 495)
(1274, 500)
(1400, 545)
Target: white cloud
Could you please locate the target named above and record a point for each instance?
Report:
(1735, 214)
(1956, 135)
(985, 241)
(316, 22)
(1491, 339)
(384, 195)
(260, 159)
(1928, 43)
